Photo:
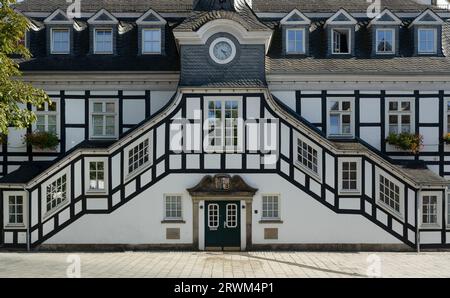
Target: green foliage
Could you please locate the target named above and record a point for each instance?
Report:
(14, 93)
(406, 141)
(42, 140)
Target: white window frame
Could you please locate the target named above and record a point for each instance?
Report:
(447, 214)
(44, 212)
(398, 113)
(240, 126)
(446, 114)
(393, 41)
(7, 224)
(52, 51)
(269, 218)
(318, 175)
(47, 113)
(358, 162)
(87, 172)
(303, 50)
(341, 113)
(434, 51)
(144, 52)
(217, 207)
(95, 41)
(167, 218)
(349, 41)
(115, 114)
(438, 195)
(236, 215)
(128, 175)
(383, 205)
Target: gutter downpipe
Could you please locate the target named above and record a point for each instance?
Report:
(417, 220)
(28, 219)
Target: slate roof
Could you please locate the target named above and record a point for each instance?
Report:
(418, 172)
(187, 5)
(318, 62)
(245, 17)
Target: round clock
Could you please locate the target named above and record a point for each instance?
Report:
(222, 50)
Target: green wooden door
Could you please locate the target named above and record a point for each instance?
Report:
(222, 224)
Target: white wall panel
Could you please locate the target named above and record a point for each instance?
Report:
(286, 97)
(159, 99)
(133, 111)
(74, 136)
(370, 110)
(371, 135)
(312, 109)
(75, 113)
(429, 110)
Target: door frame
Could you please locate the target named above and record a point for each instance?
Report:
(246, 204)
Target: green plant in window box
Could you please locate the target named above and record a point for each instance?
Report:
(446, 138)
(406, 141)
(42, 140)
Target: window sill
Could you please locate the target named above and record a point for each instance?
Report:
(430, 226)
(271, 221)
(173, 221)
(96, 192)
(341, 137)
(14, 226)
(349, 192)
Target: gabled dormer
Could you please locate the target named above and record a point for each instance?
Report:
(103, 30)
(427, 33)
(341, 29)
(385, 29)
(295, 28)
(60, 31)
(151, 33)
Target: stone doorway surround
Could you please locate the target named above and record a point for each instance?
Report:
(222, 187)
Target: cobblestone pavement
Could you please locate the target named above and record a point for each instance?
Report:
(228, 265)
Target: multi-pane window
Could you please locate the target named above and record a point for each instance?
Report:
(389, 193)
(97, 175)
(429, 210)
(60, 41)
(213, 216)
(448, 116)
(15, 209)
(340, 118)
(223, 125)
(427, 40)
(231, 218)
(173, 209)
(307, 156)
(104, 115)
(56, 193)
(400, 116)
(103, 41)
(341, 41)
(47, 118)
(270, 207)
(138, 156)
(151, 41)
(295, 41)
(349, 176)
(385, 41)
(448, 209)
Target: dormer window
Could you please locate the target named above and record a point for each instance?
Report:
(427, 29)
(151, 28)
(295, 41)
(341, 41)
(103, 29)
(60, 41)
(295, 33)
(341, 29)
(103, 41)
(59, 33)
(151, 41)
(426, 40)
(385, 43)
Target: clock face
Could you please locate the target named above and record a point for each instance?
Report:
(222, 50)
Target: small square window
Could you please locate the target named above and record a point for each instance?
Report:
(103, 41)
(295, 40)
(427, 39)
(341, 42)
(385, 41)
(151, 41)
(60, 41)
